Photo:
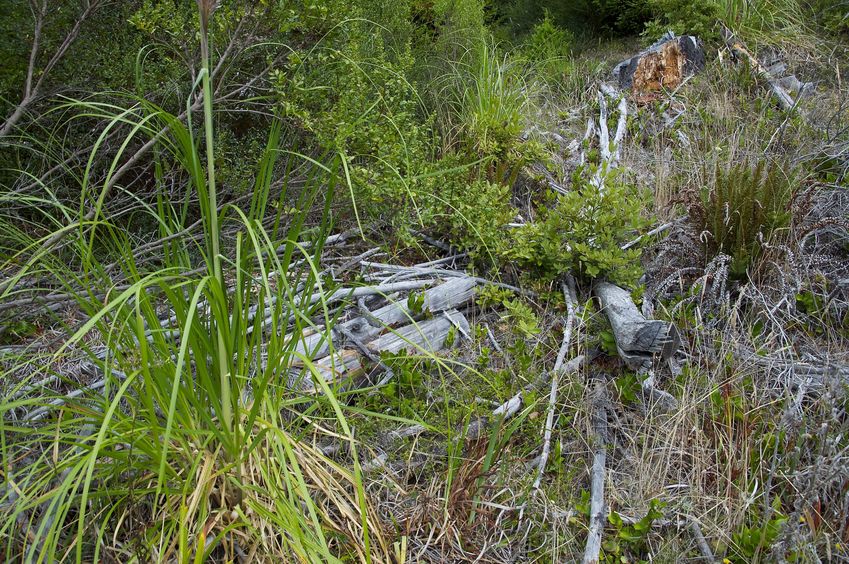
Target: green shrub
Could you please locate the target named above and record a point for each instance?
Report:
(548, 47)
(617, 17)
(584, 231)
(833, 16)
(756, 539)
(478, 100)
(743, 205)
(491, 104)
(361, 106)
(683, 17)
(471, 213)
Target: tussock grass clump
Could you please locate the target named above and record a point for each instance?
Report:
(190, 445)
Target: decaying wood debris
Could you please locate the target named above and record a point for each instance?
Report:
(638, 339)
(598, 514)
(390, 329)
(664, 65)
(780, 86)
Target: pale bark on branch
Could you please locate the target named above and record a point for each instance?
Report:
(32, 86)
(597, 508)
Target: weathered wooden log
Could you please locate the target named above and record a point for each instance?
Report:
(345, 363)
(665, 64)
(448, 295)
(637, 339)
(424, 337)
(784, 99)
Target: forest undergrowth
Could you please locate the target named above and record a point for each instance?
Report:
(339, 281)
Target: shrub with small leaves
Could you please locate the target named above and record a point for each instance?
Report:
(584, 232)
(758, 537)
(683, 17)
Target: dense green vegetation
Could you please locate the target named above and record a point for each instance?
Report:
(172, 173)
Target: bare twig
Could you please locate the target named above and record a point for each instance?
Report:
(31, 90)
(496, 345)
(656, 231)
(597, 509)
(701, 542)
(555, 381)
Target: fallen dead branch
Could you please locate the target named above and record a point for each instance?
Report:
(701, 542)
(440, 272)
(597, 508)
(656, 231)
(451, 294)
(637, 338)
(425, 337)
(569, 294)
(739, 49)
(609, 149)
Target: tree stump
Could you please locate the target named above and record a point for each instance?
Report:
(665, 64)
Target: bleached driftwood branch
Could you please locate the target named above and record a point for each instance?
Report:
(609, 150)
(597, 509)
(656, 231)
(444, 273)
(364, 333)
(621, 124)
(568, 292)
(451, 294)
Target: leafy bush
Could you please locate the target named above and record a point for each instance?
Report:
(683, 17)
(472, 213)
(367, 111)
(744, 205)
(756, 539)
(584, 231)
(548, 47)
(372, 114)
(478, 100)
(632, 538)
